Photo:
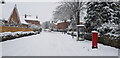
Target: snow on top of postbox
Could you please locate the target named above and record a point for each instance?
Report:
(94, 32)
(80, 25)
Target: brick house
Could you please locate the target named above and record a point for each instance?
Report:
(14, 18)
(32, 21)
(62, 25)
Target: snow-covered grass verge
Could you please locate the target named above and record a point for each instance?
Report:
(54, 44)
(107, 39)
(12, 35)
(70, 33)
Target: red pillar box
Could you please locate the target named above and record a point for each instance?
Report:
(94, 39)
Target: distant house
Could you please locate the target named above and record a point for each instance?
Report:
(62, 25)
(32, 21)
(14, 18)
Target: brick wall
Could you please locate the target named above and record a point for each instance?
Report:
(13, 29)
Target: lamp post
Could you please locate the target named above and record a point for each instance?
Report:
(2, 2)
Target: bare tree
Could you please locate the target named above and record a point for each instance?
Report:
(69, 10)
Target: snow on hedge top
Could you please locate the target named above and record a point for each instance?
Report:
(14, 33)
(117, 35)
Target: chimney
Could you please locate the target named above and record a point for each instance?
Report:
(25, 16)
(36, 17)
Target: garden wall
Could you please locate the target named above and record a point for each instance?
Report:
(13, 29)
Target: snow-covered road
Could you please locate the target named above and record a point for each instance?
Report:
(53, 44)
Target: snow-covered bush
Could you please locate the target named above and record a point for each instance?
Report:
(103, 16)
(108, 27)
(35, 27)
(13, 35)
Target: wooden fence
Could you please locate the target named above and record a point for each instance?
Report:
(13, 29)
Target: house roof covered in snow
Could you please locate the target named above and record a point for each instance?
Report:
(6, 19)
(59, 21)
(23, 21)
(30, 18)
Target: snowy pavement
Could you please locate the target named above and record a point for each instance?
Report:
(53, 44)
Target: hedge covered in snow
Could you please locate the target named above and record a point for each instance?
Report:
(107, 39)
(12, 35)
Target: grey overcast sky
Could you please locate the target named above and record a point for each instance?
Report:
(43, 10)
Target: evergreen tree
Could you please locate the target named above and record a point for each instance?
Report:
(101, 14)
